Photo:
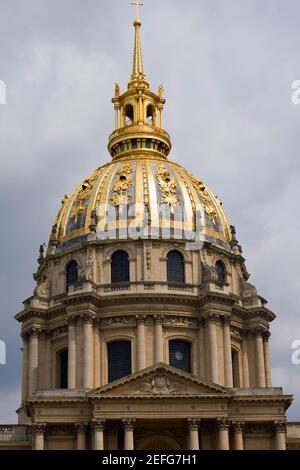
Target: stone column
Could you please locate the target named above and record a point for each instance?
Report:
(158, 339)
(223, 425)
(97, 354)
(246, 380)
(260, 363)
(161, 118)
(25, 367)
(39, 430)
(117, 117)
(72, 354)
(87, 351)
(193, 425)
(129, 425)
(266, 337)
(141, 342)
(81, 436)
(48, 366)
(99, 427)
(33, 360)
(202, 352)
(280, 436)
(227, 352)
(140, 116)
(238, 435)
(213, 348)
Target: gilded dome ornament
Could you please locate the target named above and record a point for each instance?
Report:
(168, 188)
(160, 92)
(206, 199)
(122, 184)
(82, 196)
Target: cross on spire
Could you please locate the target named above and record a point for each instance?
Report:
(137, 4)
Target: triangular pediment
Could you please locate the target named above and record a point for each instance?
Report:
(160, 380)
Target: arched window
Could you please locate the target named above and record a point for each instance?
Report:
(72, 273)
(151, 115)
(120, 267)
(175, 268)
(119, 360)
(62, 369)
(180, 355)
(221, 272)
(235, 368)
(129, 115)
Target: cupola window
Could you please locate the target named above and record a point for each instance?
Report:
(72, 273)
(120, 268)
(235, 368)
(62, 372)
(151, 115)
(221, 272)
(175, 268)
(129, 115)
(119, 360)
(180, 355)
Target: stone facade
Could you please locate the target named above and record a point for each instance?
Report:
(223, 397)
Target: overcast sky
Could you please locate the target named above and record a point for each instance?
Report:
(227, 67)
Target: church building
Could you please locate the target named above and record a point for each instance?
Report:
(143, 331)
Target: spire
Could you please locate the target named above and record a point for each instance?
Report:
(138, 111)
(138, 66)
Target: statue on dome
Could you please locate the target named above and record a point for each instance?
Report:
(117, 90)
(161, 92)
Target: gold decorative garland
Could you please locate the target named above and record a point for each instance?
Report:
(205, 197)
(168, 188)
(82, 196)
(122, 184)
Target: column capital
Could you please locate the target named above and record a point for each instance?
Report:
(259, 332)
(223, 423)
(280, 426)
(141, 319)
(212, 318)
(266, 335)
(98, 425)
(25, 335)
(226, 319)
(238, 426)
(158, 319)
(35, 332)
(39, 428)
(80, 427)
(244, 334)
(96, 322)
(87, 318)
(71, 320)
(193, 423)
(129, 423)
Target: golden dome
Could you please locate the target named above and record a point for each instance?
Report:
(142, 197)
(140, 194)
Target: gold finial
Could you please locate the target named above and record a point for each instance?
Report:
(137, 5)
(138, 66)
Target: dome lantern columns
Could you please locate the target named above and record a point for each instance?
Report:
(138, 111)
